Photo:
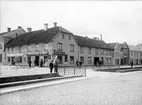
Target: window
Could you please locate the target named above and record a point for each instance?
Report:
(102, 51)
(60, 59)
(71, 59)
(81, 50)
(66, 58)
(71, 48)
(89, 50)
(46, 46)
(82, 59)
(97, 51)
(20, 49)
(89, 60)
(29, 48)
(8, 59)
(37, 47)
(19, 59)
(63, 36)
(10, 50)
(60, 46)
(69, 37)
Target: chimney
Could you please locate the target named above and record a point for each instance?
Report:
(8, 29)
(45, 26)
(19, 27)
(29, 29)
(100, 36)
(55, 24)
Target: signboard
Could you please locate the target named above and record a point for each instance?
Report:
(61, 53)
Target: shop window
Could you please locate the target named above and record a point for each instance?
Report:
(89, 60)
(82, 59)
(8, 59)
(0, 57)
(66, 58)
(71, 59)
(60, 59)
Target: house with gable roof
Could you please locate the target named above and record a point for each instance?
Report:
(5, 37)
(135, 55)
(57, 41)
(43, 44)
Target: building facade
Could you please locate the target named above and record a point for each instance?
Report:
(57, 41)
(135, 55)
(5, 38)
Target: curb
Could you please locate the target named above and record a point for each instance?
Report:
(35, 81)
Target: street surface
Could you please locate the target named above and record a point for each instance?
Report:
(104, 89)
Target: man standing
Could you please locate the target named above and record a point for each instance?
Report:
(51, 66)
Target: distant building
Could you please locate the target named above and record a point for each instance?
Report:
(135, 54)
(5, 38)
(57, 41)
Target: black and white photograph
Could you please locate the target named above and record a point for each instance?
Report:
(70, 52)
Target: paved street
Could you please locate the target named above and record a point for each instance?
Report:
(109, 89)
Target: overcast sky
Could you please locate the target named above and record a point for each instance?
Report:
(117, 21)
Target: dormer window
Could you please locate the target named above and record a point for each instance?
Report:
(29, 48)
(37, 47)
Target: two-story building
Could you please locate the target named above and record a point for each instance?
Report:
(93, 51)
(5, 38)
(135, 54)
(43, 44)
(117, 53)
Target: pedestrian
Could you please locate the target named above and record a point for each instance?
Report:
(80, 63)
(51, 66)
(29, 63)
(77, 63)
(56, 66)
(41, 63)
(35, 62)
(132, 64)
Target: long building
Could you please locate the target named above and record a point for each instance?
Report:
(45, 44)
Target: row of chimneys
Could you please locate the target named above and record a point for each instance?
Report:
(30, 29)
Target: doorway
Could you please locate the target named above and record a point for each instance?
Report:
(96, 60)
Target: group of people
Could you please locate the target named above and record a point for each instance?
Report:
(36, 62)
(78, 63)
(53, 65)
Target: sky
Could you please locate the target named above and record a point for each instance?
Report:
(117, 21)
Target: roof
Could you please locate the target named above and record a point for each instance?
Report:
(91, 43)
(11, 32)
(134, 48)
(39, 36)
(112, 45)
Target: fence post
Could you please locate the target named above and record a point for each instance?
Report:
(85, 71)
(64, 70)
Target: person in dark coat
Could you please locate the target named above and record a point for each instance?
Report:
(30, 63)
(77, 63)
(131, 64)
(41, 63)
(56, 66)
(51, 66)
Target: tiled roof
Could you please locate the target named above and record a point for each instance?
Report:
(134, 48)
(112, 45)
(39, 36)
(11, 32)
(91, 43)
